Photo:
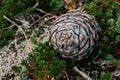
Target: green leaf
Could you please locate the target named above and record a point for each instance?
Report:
(16, 69)
(117, 29)
(109, 56)
(34, 40)
(118, 21)
(106, 38)
(100, 51)
(6, 78)
(56, 4)
(8, 34)
(111, 22)
(112, 33)
(118, 38)
(106, 76)
(30, 9)
(117, 62)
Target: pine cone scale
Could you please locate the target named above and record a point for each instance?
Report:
(74, 34)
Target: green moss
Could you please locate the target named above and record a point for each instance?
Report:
(44, 62)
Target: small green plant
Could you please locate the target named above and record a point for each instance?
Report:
(117, 62)
(43, 64)
(11, 8)
(107, 14)
(56, 4)
(106, 76)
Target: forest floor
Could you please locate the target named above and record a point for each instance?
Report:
(34, 26)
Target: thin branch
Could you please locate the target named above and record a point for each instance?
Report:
(16, 46)
(42, 11)
(37, 3)
(66, 75)
(10, 21)
(19, 27)
(39, 19)
(52, 78)
(9, 27)
(12, 42)
(81, 73)
(110, 28)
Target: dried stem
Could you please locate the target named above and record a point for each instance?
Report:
(110, 28)
(52, 78)
(37, 3)
(21, 45)
(81, 73)
(41, 11)
(66, 75)
(19, 27)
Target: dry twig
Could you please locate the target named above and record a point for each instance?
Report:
(66, 75)
(19, 27)
(39, 19)
(21, 45)
(110, 28)
(81, 73)
(37, 3)
(28, 46)
(42, 11)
